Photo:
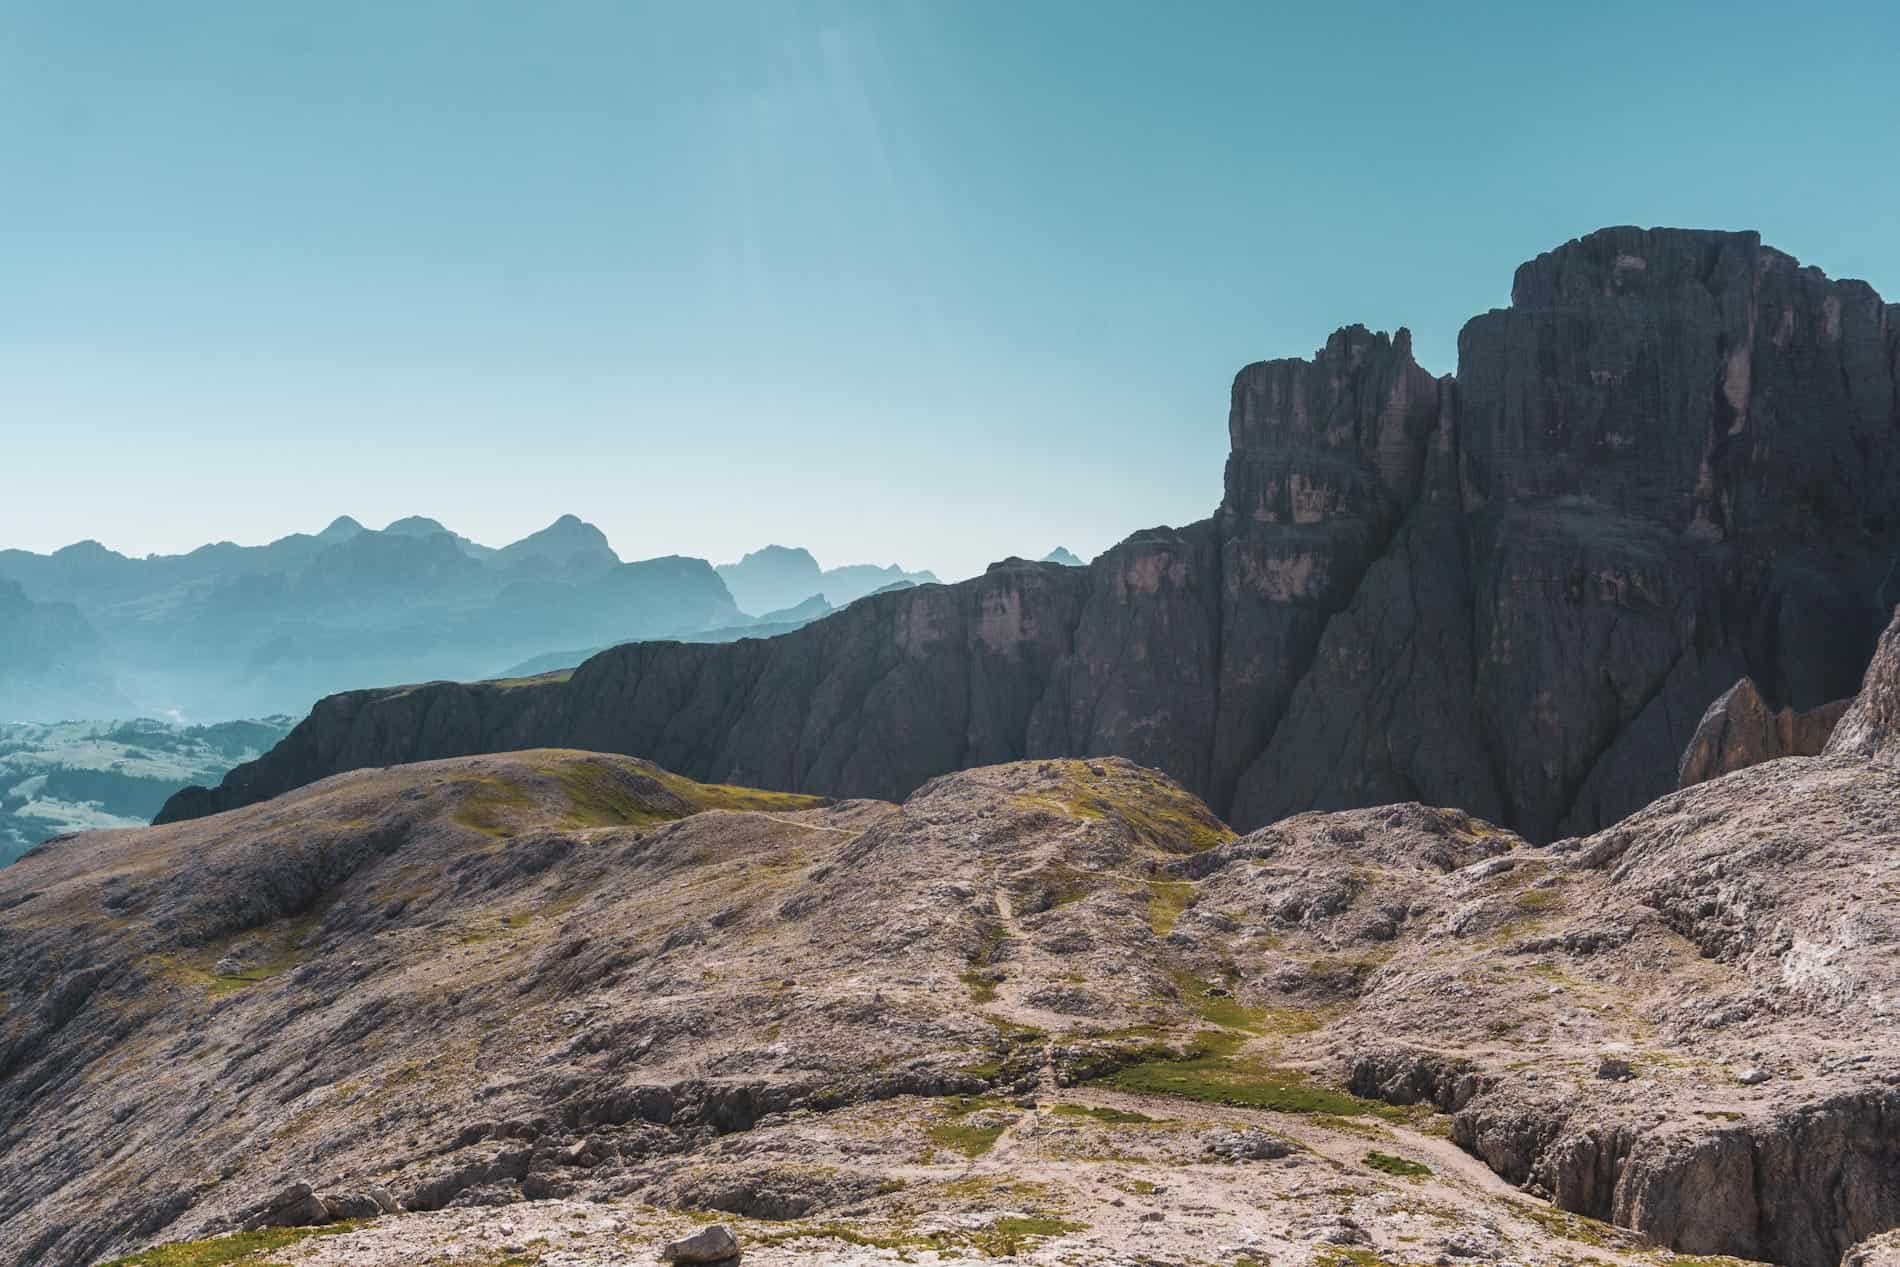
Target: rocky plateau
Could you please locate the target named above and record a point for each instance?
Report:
(556, 1007)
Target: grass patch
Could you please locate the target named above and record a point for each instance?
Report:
(267, 952)
(1223, 1010)
(1166, 900)
(487, 931)
(1570, 1227)
(704, 796)
(1007, 1236)
(1054, 885)
(982, 985)
(238, 1247)
(1018, 1057)
(956, 1132)
(606, 792)
(1100, 1113)
(490, 806)
(1014, 1234)
(1155, 809)
(1388, 1164)
(554, 678)
(1241, 1084)
(1212, 1073)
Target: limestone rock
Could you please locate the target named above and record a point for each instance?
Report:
(297, 1205)
(1876, 1251)
(713, 1243)
(1247, 1146)
(1739, 730)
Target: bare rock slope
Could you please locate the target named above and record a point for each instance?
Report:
(1669, 464)
(1051, 1009)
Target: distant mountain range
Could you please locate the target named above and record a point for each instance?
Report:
(233, 631)
(1671, 464)
(783, 576)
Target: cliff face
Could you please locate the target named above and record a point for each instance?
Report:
(1672, 462)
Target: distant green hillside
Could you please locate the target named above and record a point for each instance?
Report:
(84, 776)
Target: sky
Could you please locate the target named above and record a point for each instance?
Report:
(927, 283)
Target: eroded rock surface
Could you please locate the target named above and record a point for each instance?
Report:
(1871, 725)
(1050, 1007)
(1669, 464)
(1740, 730)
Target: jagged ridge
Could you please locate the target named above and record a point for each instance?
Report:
(1669, 464)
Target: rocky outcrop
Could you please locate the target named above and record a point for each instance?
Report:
(1871, 725)
(1739, 730)
(503, 980)
(1876, 1251)
(1669, 464)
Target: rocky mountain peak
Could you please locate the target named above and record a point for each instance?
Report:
(415, 526)
(1667, 466)
(1625, 260)
(569, 541)
(342, 528)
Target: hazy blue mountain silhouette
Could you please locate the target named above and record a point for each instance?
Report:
(230, 630)
(778, 577)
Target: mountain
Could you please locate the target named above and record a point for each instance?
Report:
(1669, 464)
(342, 528)
(778, 577)
(813, 608)
(51, 665)
(770, 625)
(233, 629)
(84, 776)
(568, 544)
(579, 1003)
(842, 586)
(1062, 555)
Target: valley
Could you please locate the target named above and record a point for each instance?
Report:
(88, 776)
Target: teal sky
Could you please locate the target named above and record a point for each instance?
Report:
(926, 283)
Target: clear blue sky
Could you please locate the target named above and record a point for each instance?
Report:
(931, 283)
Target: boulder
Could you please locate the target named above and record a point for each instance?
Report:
(713, 1243)
(1246, 1145)
(296, 1205)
